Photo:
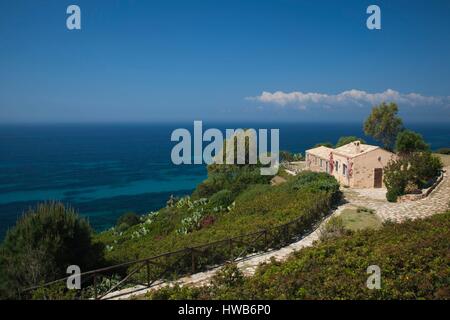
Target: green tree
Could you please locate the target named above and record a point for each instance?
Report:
(408, 142)
(42, 244)
(234, 177)
(383, 124)
(347, 139)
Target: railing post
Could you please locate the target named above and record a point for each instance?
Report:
(192, 260)
(147, 264)
(230, 244)
(95, 286)
(266, 244)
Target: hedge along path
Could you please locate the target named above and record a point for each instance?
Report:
(438, 201)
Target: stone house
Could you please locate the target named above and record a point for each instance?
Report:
(354, 165)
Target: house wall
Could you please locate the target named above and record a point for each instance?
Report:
(313, 163)
(364, 167)
(338, 171)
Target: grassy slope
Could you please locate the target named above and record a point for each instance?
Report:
(261, 206)
(414, 258)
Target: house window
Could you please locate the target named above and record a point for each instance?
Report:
(344, 169)
(321, 163)
(336, 165)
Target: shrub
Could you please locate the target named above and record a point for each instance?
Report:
(424, 167)
(57, 291)
(408, 142)
(395, 178)
(228, 276)
(127, 220)
(230, 177)
(418, 169)
(317, 181)
(175, 292)
(222, 198)
(44, 242)
(392, 194)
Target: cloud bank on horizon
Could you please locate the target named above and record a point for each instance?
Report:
(353, 97)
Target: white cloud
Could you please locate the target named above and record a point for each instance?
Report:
(301, 100)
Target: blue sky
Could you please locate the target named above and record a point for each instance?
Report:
(167, 60)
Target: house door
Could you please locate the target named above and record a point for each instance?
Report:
(378, 178)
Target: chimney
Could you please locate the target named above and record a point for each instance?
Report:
(357, 145)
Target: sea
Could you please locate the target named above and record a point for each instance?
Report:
(105, 170)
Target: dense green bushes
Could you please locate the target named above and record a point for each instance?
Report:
(317, 182)
(413, 258)
(127, 220)
(230, 177)
(41, 246)
(223, 198)
(257, 207)
(408, 142)
(408, 174)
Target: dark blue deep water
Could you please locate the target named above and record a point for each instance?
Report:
(106, 170)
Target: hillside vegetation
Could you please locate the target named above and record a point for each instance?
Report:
(187, 222)
(414, 259)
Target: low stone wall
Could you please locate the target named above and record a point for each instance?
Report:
(424, 194)
(295, 167)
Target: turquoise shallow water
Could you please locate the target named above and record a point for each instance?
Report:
(106, 170)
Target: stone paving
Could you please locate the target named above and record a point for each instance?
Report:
(437, 201)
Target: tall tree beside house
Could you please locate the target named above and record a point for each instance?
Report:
(347, 139)
(383, 124)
